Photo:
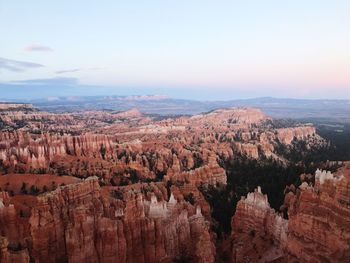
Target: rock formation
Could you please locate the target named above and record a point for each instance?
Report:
(104, 186)
(319, 219)
(259, 234)
(287, 135)
(317, 229)
(109, 144)
(12, 256)
(82, 223)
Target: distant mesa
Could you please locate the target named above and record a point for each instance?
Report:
(243, 115)
(132, 113)
(15, 106)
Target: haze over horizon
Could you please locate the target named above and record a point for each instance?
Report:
(200, 50)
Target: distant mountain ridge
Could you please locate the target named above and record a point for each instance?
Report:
(338, 110)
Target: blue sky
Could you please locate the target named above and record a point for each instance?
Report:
(186, 49)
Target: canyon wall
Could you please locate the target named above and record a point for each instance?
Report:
(317, 228)
(258, 233)
(82, 222)
(287, 135)
(319, 220)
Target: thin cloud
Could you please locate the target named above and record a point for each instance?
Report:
(16, 65)
(63, 71)
(39, 48)
(48, 82)
(68, 70)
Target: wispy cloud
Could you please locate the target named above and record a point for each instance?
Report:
(63, 71)
(68, 70)
(16, 65)
(40, 48)
(48, 82)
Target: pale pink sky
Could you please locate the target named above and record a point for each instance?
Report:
(249, 48)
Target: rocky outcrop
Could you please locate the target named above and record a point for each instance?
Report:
(319, 219)
(38, 152)
(317, 229)
(248, 149)
(211, 174)
(7, 256)
(24, 152)
(12, 233)
(132, 113)
(84, 223)
(259, 234)
(240, 116)
(287, 135)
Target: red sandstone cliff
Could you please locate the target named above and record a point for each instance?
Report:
(286, 135)
(258, 233)
(319, 220)
(82, 223)
(318, 228)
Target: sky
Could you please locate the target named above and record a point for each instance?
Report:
(197, 49)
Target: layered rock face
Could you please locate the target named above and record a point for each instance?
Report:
(11, 256)
(83, 223)
(319, 220)
(240, 116)
(317, 229)
(287, 135)
(38, 152)
(12, 232)
(211, 174)
(259, 234)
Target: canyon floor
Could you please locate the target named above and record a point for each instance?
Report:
(228, 185)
